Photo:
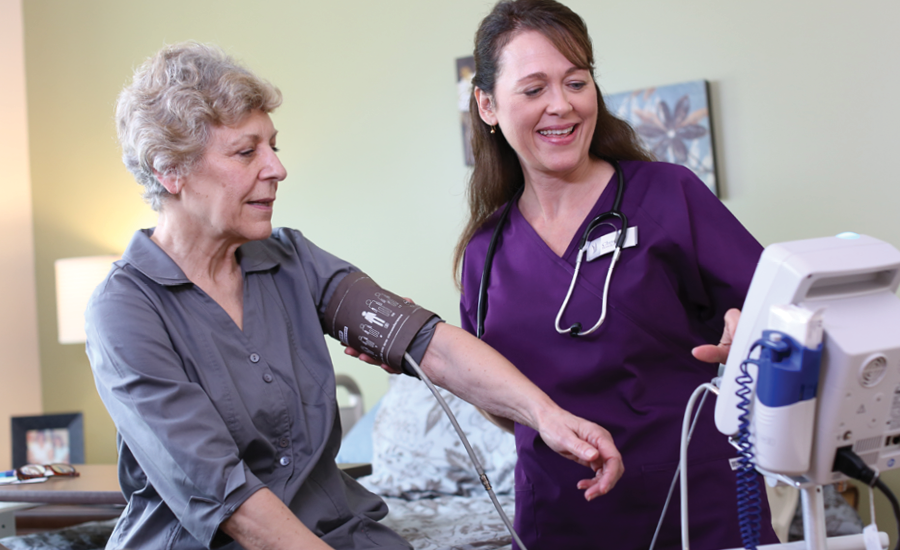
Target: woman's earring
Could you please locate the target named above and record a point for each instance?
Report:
(493, 130)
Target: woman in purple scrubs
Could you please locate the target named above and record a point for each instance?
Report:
(544, 141)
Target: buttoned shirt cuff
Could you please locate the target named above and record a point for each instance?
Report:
(203, 516)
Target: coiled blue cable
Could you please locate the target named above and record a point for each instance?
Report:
(748, 494)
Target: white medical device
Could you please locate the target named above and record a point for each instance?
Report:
(840, 291)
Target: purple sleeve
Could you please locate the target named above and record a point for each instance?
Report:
(725, 253)
(472, 265)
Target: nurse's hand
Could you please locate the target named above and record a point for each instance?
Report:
(587, 444)
(366, 358)
(719, 353)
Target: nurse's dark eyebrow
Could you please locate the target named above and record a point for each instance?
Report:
(543, 76)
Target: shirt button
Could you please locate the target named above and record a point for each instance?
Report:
(284, 443)
(285, 460)
(268, 378)
(254, 358)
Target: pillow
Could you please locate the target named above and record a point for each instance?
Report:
(357, 444)
(418, 454)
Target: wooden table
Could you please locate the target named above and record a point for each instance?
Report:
(97, 484)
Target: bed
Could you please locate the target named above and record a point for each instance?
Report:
(422, 471)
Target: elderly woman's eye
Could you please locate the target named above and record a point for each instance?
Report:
(532, 91)
(246, 152)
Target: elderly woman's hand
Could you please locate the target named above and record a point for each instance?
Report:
(585, 443)
(718, 353)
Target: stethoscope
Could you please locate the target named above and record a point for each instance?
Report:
(602, 219)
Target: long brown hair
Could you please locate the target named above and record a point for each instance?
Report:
(498, 174)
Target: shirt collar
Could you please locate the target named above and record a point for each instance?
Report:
(148, 258)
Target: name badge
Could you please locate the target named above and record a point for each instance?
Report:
(607, 243)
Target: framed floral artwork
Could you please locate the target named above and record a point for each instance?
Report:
(674, 122)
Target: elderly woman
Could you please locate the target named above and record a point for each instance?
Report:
(206, 339)
(551, 162)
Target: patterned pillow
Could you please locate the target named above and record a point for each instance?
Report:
(417, 453)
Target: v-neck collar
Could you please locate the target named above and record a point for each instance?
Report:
(603, 204)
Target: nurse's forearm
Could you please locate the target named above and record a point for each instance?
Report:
(504, 424)
(263, 522)
(471, 369)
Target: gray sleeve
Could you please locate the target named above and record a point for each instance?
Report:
(419, 344)
(168, 422)
(324, 272)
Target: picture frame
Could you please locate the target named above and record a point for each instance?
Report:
(47, 439)
(465, 70)
(674, 122)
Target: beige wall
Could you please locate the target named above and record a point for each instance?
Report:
(805, 118)
(20, 376)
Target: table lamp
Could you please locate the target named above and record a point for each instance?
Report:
(76, 279)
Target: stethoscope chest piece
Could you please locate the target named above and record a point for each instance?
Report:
(576, 329)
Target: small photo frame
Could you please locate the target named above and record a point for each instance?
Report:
(465, 70)
(48, 439)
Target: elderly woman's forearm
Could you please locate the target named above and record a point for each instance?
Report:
(471, 369)
(263, 522)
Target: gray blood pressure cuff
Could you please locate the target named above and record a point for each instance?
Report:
(377, 322)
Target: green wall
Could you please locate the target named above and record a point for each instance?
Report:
(806, 126)
(368, 133)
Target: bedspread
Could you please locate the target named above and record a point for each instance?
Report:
(446, 522)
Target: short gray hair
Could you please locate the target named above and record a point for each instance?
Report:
(164, 117)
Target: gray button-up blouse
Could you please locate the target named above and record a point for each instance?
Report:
(207, 414)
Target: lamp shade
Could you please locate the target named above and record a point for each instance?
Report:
(76, 279)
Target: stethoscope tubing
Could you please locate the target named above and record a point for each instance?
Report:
(575, 330)
(615, 212)
(489, 258)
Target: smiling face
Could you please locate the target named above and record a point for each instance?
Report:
(545, 106)
(229, 194)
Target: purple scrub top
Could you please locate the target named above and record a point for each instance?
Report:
(634, 375)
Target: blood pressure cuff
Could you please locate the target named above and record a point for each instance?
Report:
(379, 323)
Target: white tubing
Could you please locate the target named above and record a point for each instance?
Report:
(465, 441)
(682, 461)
